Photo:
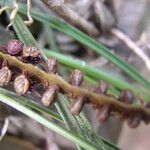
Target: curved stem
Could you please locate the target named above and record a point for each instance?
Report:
(67, 88)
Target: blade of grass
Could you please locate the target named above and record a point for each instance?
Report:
(81, 125)
(51, 37)
(90, 43)
(37, 107)
(9, 99)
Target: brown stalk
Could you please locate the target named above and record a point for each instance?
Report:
(70, 16)
(53, 79)
(132, 46)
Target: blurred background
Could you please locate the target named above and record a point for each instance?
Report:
(132, 19)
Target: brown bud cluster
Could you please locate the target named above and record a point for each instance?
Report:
(26, 54)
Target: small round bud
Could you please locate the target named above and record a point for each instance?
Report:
(31, 54)
(77, 105)
(104, 113)
(14, 47)
(51, 65)
(21, 84)
(50, 95)
(126, 96)
(76, 77)
(102, 87)
(5, 76)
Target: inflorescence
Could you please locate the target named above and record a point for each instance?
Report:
(20, 66)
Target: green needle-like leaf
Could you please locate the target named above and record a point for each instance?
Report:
(9, 99)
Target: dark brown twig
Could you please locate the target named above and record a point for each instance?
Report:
(70, 16)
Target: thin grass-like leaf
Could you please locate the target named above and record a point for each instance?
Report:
(39, 108)
(9, 99)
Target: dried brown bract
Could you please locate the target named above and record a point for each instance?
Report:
(50, 95)
(5, 76)
(104, 113)
(76, 77)
(77, 105)
(102, 87)
(31, 54)
(14, 47)
(127, 96)
(134, 120)
(21, 84)
(51, 65)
